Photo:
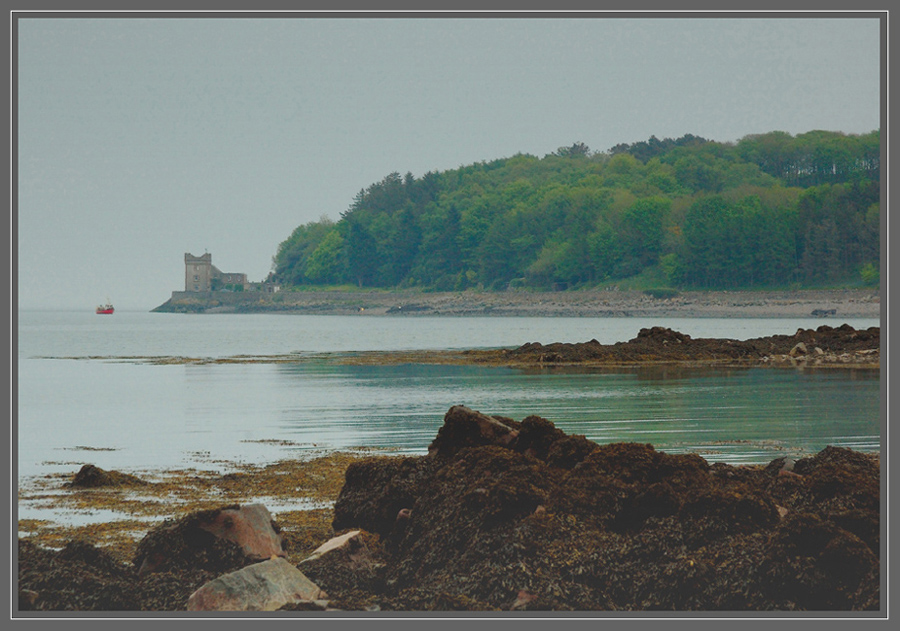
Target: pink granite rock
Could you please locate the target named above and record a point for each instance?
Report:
(522, 599)
(264, 586)
(251, 527)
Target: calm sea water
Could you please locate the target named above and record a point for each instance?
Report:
(82, 399)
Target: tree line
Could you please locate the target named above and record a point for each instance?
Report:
(770, 210)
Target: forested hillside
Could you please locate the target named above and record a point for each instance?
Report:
(770, 210)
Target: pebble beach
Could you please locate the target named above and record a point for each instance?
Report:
(838, 303)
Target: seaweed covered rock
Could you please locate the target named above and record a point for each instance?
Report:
(843, 486)
(377, 490)
(81, 577)
(812, 563)
(467, 428)
(508, 515)
(542, 520)
(348, 565)
(621, 485)
(46, 579)
(662, 335)
(91, 477)
(840, 345)
(537, 436)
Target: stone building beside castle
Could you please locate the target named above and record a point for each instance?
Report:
(200, 275)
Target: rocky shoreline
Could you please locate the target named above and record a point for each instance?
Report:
(506, 516)
(822, 347)
(501, 515)
(839, 303)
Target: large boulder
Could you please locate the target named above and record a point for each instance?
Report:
(250, 526)
(264, 586)
(217, 540)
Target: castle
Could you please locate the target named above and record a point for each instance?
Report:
(200, 275)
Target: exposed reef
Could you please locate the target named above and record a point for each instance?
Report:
(509, 515)
(825, 346)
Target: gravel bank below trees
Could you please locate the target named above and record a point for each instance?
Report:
(848, 303)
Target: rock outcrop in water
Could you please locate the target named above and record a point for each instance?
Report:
(91, 477)
(509, 515)
(824, 345)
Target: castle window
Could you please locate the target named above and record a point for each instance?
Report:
(196, 277)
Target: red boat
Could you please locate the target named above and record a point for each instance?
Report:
(106, 309)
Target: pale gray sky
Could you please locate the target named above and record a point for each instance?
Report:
(142, 139)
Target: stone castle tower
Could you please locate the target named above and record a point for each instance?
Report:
(201, 275)
(198, 272)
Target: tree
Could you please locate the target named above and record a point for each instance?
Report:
(577, 150)
(328, 263)
(838, 230)
(707, 244)
(605, 250)
(362, 260)
(291, 260)
(438, 260)
(641, 229)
